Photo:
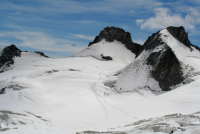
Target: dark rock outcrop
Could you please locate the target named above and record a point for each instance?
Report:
(151, 43)
(113, 33)
(166, 68)
(8, 53)
(180, 34)
(2, 90)
(41, 53)
(106, 57)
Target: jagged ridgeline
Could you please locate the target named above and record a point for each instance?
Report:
(111, 34)
(159, 64)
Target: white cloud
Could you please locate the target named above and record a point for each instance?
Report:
(81, 36)
(164, 18)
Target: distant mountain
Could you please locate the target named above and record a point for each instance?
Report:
(114, 50)
(160, 63)
(7, 55)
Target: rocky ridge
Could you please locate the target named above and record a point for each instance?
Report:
(165, 67)
(113, 33)
(8, 55)
(6, 58)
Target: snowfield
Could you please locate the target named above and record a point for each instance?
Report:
(115, 49)
(77, 95)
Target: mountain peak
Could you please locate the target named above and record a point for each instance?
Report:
(111, 34)
(7, 55)
(180, 34)
(161, 61)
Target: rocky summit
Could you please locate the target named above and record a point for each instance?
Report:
(6, 58)
(162, 58)
(113, 33)
(166, 68)
(9, 53)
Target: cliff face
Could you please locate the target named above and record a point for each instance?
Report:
(112, 33)
(180, 34)
(165, 67)
(6, 58)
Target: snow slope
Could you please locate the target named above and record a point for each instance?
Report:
(137, 75)
(115, 49)
(180, 50)
(68, 95)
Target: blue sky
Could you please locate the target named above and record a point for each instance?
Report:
(53, 26)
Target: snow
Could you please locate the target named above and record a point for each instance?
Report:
(115, 49)
(180, 50)
(68, 95)
(137, 75)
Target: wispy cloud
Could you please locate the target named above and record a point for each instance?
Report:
(56, 25)
(81, 36)
(70, 6)
(42, 41)
(1, 34)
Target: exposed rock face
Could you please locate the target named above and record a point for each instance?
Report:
(6, 59)
(180, 34)
(112, 33)
(2, 90)
(41, 53)
(166, 68)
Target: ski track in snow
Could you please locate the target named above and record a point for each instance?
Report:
(97, 95)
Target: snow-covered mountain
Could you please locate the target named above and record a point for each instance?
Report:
(162, 62)
(7, 55)
(112, 42)
(111, 34)
(89, 94)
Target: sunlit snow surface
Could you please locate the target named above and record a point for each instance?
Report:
(115, 49)
(68, 95)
